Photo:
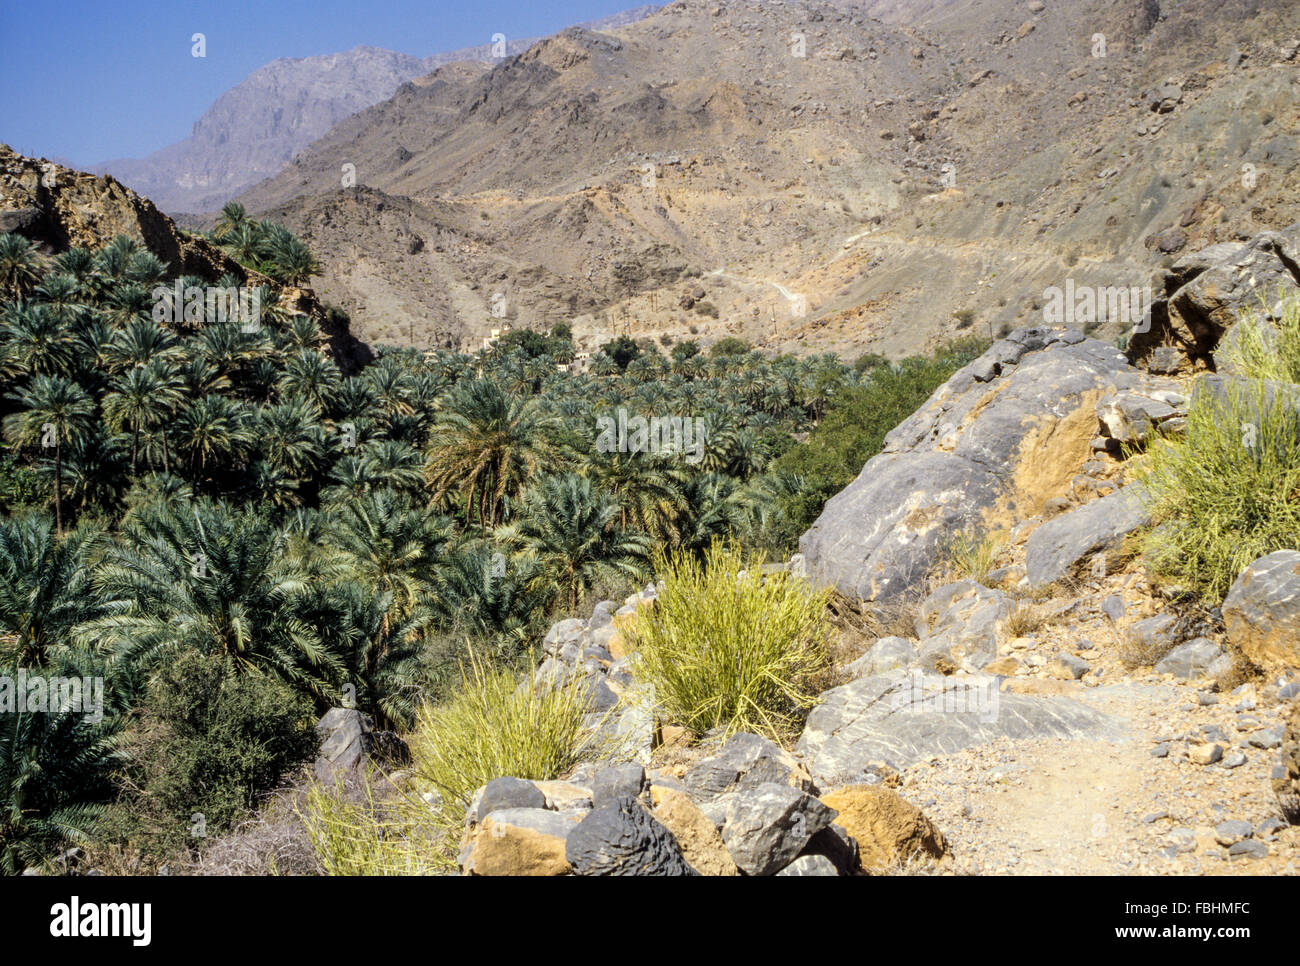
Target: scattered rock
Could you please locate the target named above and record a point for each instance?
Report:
(887, 829)
(696, 835)
(518, 841)
(767, 826)
(1262, 610)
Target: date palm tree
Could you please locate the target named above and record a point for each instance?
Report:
(391, 546)
(55, 779)
(211, 430)
(142, 398)
(486, 444)
(233, 217)
(54, 410)
(21, 265)
(37, 339)
(45, 587)
(206, 577)
(567, 530)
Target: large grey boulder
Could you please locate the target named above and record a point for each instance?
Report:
(767, 826)
(1199, 657)
(622, 838)
(1059, 545)
(901, 718)
(1262, 611)
(957, 461)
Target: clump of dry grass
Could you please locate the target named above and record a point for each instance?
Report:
(1024, 620)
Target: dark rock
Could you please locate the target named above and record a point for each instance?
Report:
(503, 793)
(622, 838)
(617, 781)
(746, 761)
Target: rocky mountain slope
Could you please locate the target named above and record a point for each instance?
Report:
(60, 208)
(901, 181)
(252, 130)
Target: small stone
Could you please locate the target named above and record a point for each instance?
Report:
(810, 865)
(1248, 849)
(1160, 751)
(1234, 830)
(1266, 738)
(1205, 754)
(1233, 759)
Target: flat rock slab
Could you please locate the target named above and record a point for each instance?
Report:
(901, 719)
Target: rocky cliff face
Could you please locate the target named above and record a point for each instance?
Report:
(60, 208)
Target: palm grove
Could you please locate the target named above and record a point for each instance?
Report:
(234, 537)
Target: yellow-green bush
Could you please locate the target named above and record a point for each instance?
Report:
(494, 725)
(730, 649)
(357, 834)
(1264, 350)
(971, 555)
(1228, 492)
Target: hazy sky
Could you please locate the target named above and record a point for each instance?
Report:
(87, 82)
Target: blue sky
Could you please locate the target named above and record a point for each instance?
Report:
(88, 82)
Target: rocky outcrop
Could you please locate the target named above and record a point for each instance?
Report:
(1001, 437)
(59, 208)
(1262, 611)
(1059, 545)
(348, 738)
(1200, 297)
(959, 626)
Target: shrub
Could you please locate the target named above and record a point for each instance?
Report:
(731, 649)
(728, 346)
(1228, 492)
(1264, 351)
(212, 743)
(491, 726)
(355, 831)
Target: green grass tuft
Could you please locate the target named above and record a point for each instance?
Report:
(731, 651)
(494, 725)
(1228, 492)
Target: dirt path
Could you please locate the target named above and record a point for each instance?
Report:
(1075, 807)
